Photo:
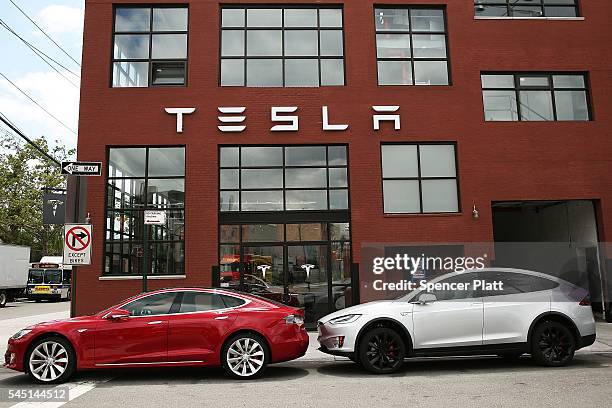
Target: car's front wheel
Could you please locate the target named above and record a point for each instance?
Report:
(553, 344)
(51, 360)
(245, 356)
(382, 351)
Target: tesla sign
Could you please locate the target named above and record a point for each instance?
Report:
(284, 118)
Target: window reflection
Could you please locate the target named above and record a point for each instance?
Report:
(535, 97)
(129, 181)
(291, 178)
(411, 46)
(526, 8)
(298, 56)
(423, 179)
(149, 39)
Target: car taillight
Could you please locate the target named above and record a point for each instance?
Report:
(585, 302)
(294, 319)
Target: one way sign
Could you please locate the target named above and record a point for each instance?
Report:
(82, 168)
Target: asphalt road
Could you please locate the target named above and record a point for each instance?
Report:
(319, 381)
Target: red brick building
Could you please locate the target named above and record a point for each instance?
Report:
(494, 117)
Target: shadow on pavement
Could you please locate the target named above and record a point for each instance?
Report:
(193, 375)
(458, 365)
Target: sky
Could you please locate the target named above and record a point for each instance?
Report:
(63, 21)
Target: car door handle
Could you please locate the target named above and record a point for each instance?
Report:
(156, 322)
(221, 317)
(477, 304)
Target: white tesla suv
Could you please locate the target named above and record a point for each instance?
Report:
(535, 313)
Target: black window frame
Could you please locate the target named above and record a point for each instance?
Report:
(509, 4)
(283, 29)
(420, 178)
(150, 61)
(411, 32)
(137, 213)
(551, 88)
(283, 167)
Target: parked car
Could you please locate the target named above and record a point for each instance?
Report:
(534, 313)
(172, 327)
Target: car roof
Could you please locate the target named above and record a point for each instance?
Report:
(492, 270)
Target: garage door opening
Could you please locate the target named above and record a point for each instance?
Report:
(559, 238)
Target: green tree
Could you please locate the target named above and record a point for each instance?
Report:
(24, 172)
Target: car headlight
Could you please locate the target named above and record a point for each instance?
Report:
(345, 319)
(20, 334)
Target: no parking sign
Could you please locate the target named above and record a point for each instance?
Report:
(77, 244)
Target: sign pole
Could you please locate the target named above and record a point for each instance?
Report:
(145, 258)
(151, 217)
(75, 219)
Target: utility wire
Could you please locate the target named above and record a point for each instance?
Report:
(8, 123)
(7, 27)
(37, 104)
(40, 54)
(37, 49)
(45, 33)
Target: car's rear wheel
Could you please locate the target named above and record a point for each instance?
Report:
(245, 356)
(382, 351)
(3, 298)
(553, 344)
(51, 360)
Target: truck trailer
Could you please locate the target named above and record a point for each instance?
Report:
(14, 266)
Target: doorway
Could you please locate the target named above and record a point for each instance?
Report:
(305, 265)
(555, 237)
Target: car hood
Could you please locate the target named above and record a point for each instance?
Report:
(364, 309)
(62, 322)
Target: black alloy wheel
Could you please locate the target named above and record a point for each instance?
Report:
(553, 344)
(382, 351)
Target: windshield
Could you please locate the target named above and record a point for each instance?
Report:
(35, 276)
(53, 276)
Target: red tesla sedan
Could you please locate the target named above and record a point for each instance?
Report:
(171, 327)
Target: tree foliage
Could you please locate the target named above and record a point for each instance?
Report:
(24, 172)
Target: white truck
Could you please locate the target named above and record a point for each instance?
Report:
(14, 266)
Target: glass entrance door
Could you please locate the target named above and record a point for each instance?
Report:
(263, 271)
(304, 265)
(307, 279)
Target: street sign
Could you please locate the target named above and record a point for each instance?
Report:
(154, 217)
(77, 244)
(54, 207)
(81, 168)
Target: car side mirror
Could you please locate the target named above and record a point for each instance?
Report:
(425, 298)
(118, 314)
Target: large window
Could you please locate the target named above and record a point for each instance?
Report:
(142, 178)
(292, 47)
(419, 178)
(150, 46)
(276, 178)
(535, 97)
(526, 8)
(411, 46)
